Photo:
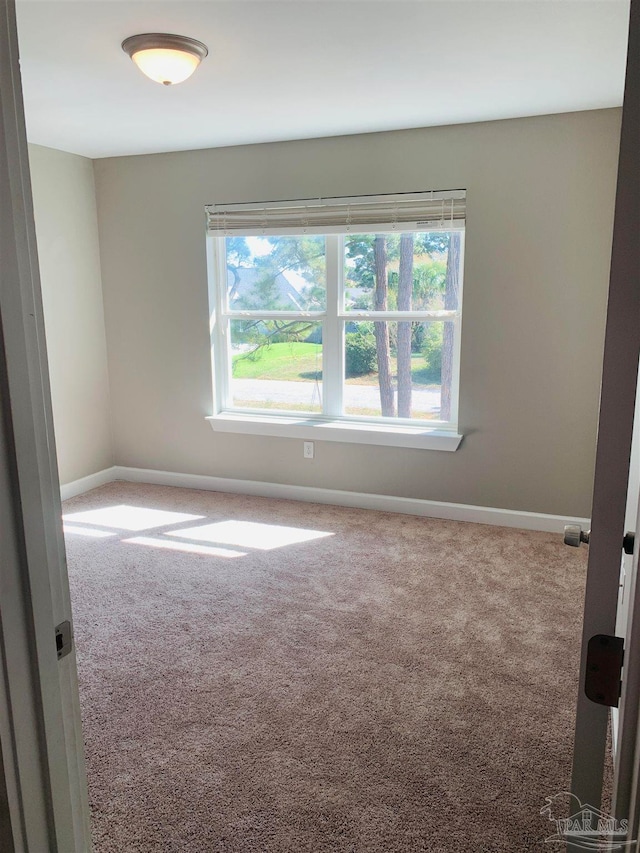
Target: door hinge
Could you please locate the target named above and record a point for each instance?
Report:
(603, 677)
(64, 639)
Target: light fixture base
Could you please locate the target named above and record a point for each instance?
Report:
(167, 41)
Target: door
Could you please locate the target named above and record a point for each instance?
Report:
(43, 797)
(617, 402)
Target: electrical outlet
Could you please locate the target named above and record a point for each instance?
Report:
(308, 450)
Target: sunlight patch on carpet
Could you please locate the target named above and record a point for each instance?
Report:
(125, 517)
(250, 534)
(187, 547)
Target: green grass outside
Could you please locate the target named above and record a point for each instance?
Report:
(298, 362)
(285, 361)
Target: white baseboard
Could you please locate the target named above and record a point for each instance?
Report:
(362, 500)
(85, 484)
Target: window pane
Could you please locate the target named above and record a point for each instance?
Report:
(399, 369)
(276, 365)
(402, 272)
(276, 273)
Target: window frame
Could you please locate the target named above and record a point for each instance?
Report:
(331, 424)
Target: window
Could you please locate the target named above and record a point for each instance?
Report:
(339, 318)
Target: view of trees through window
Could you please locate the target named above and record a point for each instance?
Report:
(395, 306)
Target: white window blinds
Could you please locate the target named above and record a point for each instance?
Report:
(425, 211)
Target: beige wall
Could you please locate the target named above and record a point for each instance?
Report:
(67, 234)
(540, 199)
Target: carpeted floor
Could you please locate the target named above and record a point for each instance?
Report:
(393, 685)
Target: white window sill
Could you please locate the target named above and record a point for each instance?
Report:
(420, 437)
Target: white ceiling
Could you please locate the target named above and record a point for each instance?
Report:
(292, 69)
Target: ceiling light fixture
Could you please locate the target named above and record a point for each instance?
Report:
(164, 57)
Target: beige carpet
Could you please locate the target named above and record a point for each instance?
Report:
(394, 685)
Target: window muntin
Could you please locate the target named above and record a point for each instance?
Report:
(297, 357)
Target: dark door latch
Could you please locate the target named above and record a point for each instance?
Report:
(628, 542)
(603, 678)
(64, 639)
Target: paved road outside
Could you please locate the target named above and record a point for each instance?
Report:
(355, 396)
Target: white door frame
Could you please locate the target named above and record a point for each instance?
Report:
(617, 403)
(46, 805)
(626, 795)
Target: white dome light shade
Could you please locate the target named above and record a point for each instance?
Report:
(166, 66)
(164, 57)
